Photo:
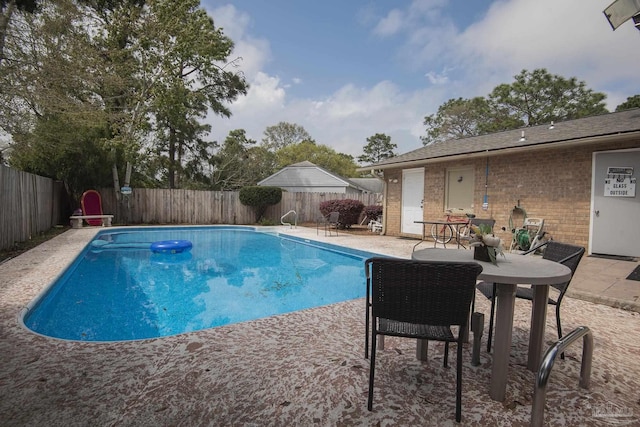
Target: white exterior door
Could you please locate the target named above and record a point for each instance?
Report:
(412, 199)
(615, 203)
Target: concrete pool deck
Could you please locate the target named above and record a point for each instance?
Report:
(308, 367)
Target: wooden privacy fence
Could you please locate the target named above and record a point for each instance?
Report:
(163, 206)
(307, 205)
(29, 204)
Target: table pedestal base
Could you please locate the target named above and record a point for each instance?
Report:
(505, 302)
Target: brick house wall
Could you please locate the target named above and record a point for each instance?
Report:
(551, 183)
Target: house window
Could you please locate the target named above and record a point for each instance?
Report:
(460, 184)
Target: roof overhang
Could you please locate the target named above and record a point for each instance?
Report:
(600, 139)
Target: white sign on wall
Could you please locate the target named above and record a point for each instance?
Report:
(619, 182)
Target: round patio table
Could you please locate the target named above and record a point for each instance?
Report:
(510, 271)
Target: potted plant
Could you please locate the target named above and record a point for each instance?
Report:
(486, 246)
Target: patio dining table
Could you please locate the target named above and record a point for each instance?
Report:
(510, 271)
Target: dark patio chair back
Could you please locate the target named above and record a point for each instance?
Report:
(419, 299)
(563, 253)
(566, 254)
(332, 222)
(422, 293)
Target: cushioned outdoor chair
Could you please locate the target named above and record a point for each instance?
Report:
(92, 205)
(563, 253)
(422, 300)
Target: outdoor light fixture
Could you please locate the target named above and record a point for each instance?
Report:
(621, 11)
(551, 126)
(522, 138)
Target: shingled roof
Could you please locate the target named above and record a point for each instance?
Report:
(310, 175)
(578, 131)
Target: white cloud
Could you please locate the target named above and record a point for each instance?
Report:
(390, 24)
(571, 38)
(255, 52)
(233, 22)
(352, 114)
(437, 78)
(431, 9)
(343, 120)
(265, 93)
(253, 112)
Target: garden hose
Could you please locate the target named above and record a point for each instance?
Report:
(524, 213)
(520, 235)
(522, 239)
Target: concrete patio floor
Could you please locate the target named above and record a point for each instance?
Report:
(308, 367)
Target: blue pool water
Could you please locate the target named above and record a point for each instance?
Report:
(118, 289)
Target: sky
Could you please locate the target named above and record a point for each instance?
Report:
(346, 70)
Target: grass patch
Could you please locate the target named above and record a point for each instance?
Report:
(21, 247)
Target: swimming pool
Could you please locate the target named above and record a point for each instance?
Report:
(118, 289)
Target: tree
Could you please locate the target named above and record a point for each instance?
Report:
(379, 147)
(129, 72)
(284, 134)
(64, 150)
(631, 102)
(455, 119)
(121, 80)
(260, 198)
(49, 107)
(261, 163)
(230, 164)
(189, 54)
(534, 98)
(538, 97)
(7, 9)
(320, 155)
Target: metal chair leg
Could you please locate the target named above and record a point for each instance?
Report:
(559, 326)
(493, 312)
(372, 371)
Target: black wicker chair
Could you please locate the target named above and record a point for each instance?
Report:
(419, 299)
(563, 253)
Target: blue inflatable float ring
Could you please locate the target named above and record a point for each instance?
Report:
(171, 246)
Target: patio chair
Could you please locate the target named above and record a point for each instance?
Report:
(563, 253)
(92, 205)
(375, 225)
(331, 222)
(422, 300)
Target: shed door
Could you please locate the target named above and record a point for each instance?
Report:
(412, 199)
(615, 202)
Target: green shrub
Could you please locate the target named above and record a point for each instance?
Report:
(349, 210)
(266, 221)
(260, 198)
